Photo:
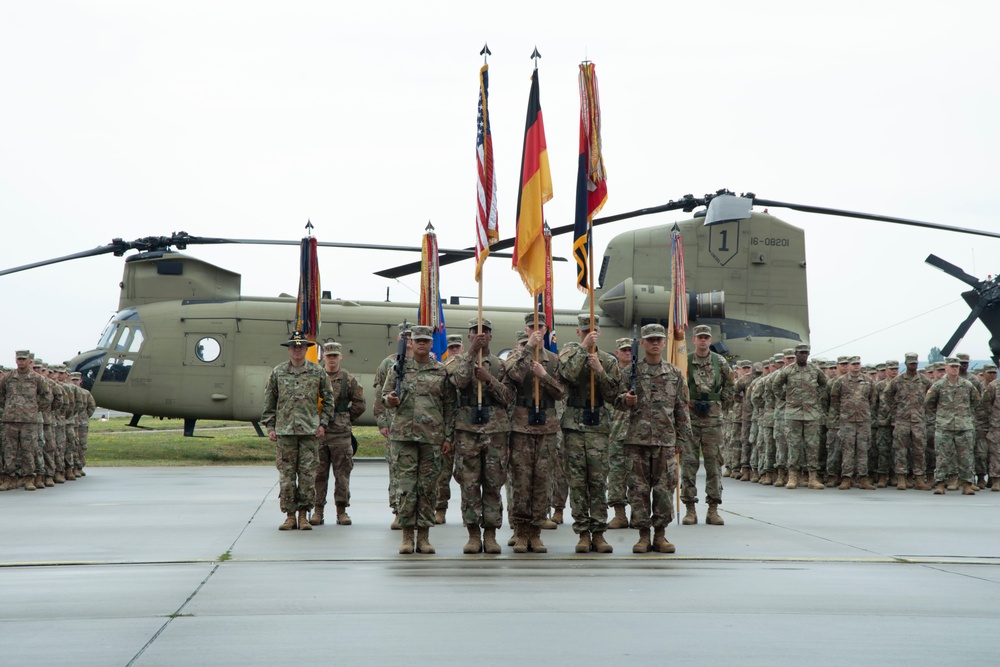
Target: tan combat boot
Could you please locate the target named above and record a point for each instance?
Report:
(814, 482)
(557, 517)
(599, 544)
(952, 483)
(343, 518)
(746, 474)
(620, 520)
(831, 481)
(583, 545)
(766, 479)
(5, 483)
(423, 541)
(39, 481)
(406, 546)
(883, 481)
(660, 542)
(726, 473)
(901, 482)
(981, 480)
(754, 477)
(490, 544)
(439, 516)
(304, 520)
(921, 483)
(395, 522)
(779, 477)
(549, 524)
(643, 545)
(513, 537)
(49, 481)
(29, 483)
(995, 484)
(968, 489)
(317, 518)
(289, 522)
(793, 479)
(70, 475)
(865, 483)
(691, 517)
(535, 543)
(79, 472)
(475, 543)
(845, 483)
(713, 518)
(521, 538)
(939, 489)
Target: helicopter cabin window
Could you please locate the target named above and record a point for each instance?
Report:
(207, 349)
(116, 370)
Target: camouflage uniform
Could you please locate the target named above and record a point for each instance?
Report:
(616, 457)
(769, 450)
(383, 419)
(658, 419)
(883, 427)
(953, 404)
(710, 384)
(423, 421)
(746, 412)
(532, 446)
(586, 446)
(981, 449)
(801, 388)
(85, 410)
(851, 399)
(50, 454)
(291, 409)
(904, 396)
(68, 414)
(21, 393)
(991, 402)
(481, 449)
(335, 450)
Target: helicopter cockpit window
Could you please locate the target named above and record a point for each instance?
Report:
(108, 335)
(136, 341)
(207, 349)
(116, 370)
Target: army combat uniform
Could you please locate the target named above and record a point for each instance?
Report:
(905, 396)
(21, 393)
(851, 399)
(953, 402)
(802, 388)
(991, 402)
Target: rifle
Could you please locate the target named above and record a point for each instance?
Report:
(635, 357)
(400, 362)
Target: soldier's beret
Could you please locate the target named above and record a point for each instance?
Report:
(953, 361)
(474, 324)
(529, 318)
(454, 339)
(701, 330)
(331, 348)
(654, 331)
(421, 332)
(623, 344)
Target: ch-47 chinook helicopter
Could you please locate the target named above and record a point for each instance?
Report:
(185, 343)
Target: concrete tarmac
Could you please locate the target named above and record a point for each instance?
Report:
(185, 566)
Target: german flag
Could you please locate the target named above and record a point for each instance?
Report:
(536, 189)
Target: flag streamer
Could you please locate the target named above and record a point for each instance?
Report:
(591, 180)
(307, 304)
(430, 312)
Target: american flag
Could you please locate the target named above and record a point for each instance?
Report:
(486, 213)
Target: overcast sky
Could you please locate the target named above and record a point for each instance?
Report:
(245, 119)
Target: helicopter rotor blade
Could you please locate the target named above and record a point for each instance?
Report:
(952, 270)
(963, 328)
(100, 250)
(822, 210)
(464, 252)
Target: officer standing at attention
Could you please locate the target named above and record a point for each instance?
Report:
(482, 427)
(585, 432)
(711, 388)
(422, 429)
(335, 448)
(21, 392)
(294, 421)
(802, 384)
(953, 399)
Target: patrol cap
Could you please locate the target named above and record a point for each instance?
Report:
(76, 375)
(963, 357)
(529, 318)
(952, 361)
(910, 357)
(474, 324)
(520, 335)
(989, 368)
(801, 347)
(788, 352)
(421, 332)
(23, 354)
(745, 363)
(404, 327)
(583, 321)
(758, 367)
(60, 368)
(623, 344)
(880, 367)
(701, 330)
(454, 339)
(298, 339)
(843, 360)
(892, 363)
(778, 358)
(854, 360)
(331, 348)
(655, 331)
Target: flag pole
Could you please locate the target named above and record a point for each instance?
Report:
(485, 53)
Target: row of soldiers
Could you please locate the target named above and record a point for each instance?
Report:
(502, 422)
(820, 423)
(46, 418)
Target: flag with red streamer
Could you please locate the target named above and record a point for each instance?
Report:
(307, 305)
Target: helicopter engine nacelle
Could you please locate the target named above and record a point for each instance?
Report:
(627, 303)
